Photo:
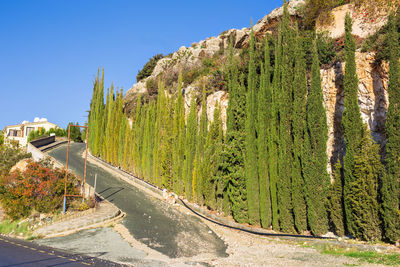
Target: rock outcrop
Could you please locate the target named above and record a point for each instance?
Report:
(367, 20)
(372, 99)
(373, 77)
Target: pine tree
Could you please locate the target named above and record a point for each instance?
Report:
(316, 177)
(264, 115)
(352, 123)
(251, 169)
(363, 196)
(285, 158)
(336, 201)
(190, 147)
(391, 184)
(232, 169)
(299, 127)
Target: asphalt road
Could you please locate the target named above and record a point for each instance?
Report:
(14, 252)
(150, 220)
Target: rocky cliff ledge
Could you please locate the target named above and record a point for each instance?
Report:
(373, 77)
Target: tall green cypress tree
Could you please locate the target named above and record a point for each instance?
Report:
(96, 115)
(251, 168)
(285, 92)
(137, 137)
(336, 201)
(212, 159)
(264, 119)
(158, 134)
(273, 143)
(201, 142)
(110, 124)
(146, 142)
(190, 147)
(299, 127)
(127, 145)
(316, 177)
(352, 123)
(363, 196)
(166, 139)
(179, 140)
(121, 146)
(233, 160)
(391, 184)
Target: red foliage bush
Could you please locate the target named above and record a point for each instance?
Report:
(38, 188)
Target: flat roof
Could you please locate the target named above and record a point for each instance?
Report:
(29, 123)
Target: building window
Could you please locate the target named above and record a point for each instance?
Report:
(29, 130)
(13, 133)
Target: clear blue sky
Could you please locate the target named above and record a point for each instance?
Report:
(50, 49)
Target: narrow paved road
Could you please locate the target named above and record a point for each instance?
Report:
(151, 221)
(14, 252)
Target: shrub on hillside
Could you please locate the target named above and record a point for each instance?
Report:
(148, 67)
(9, 156)
(38, 188)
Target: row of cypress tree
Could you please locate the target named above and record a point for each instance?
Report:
(270, 165)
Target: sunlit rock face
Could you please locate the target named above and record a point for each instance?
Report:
(372, 99)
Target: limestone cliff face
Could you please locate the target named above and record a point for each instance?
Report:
(372, 99)
(373, 78)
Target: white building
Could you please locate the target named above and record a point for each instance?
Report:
(20, 132)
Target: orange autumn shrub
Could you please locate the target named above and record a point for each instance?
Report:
(37, 188)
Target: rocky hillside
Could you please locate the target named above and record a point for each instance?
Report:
(373, 76)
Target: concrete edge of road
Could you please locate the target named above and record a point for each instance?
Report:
(107, 221)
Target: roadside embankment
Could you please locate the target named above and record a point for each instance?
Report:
(103, 214)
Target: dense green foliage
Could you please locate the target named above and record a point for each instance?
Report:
(352, 122)
(233, 159)
(269, 165)
(391, 181)
(251, 163)
(74, 132)
(148, 67)
(299, 128)
(42, 133)
(336, 201)
(316, 177)
(263, 130)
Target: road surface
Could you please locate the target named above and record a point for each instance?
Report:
(151, 221)
(14, 252)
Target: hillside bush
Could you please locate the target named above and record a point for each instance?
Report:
(378, 42)
(148, 67)
(9, 156)
(38, 188)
